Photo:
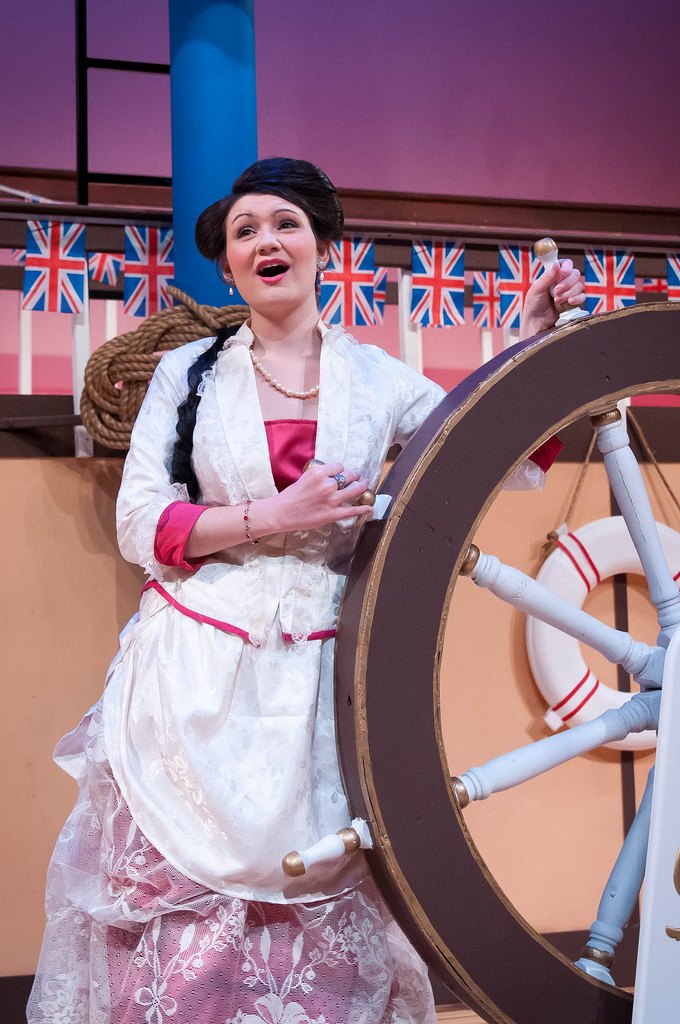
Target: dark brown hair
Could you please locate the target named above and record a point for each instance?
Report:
(298, 182)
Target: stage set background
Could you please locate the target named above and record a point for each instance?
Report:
(517, 101)
(513, 101)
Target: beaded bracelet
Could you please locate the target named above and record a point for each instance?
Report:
(246, 520)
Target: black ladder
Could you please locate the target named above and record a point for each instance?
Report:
(83, 63)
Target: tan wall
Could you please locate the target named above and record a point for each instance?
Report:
(68, 593)
(550, 843)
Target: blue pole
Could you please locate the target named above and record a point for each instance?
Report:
(214, 123)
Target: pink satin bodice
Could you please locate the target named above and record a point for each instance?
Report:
(291, 445)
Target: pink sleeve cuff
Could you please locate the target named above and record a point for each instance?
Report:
(172, 533)
(547, 453)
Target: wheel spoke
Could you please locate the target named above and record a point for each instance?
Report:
(643, 662)
(625, 480)
(620, 893)
(637, 714)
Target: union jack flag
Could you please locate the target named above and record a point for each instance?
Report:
(105, 267)
(379, 290)
(149, 269)
(673, 264)
(346, 294)
(54, 275)
(438, 284)
(18, 255)
(609, 279)
(518, 267)
(654, 284)
(486, 299)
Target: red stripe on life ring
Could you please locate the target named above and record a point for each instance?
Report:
(578, 568)
(586, 556)
(556, 707)
(582, 704)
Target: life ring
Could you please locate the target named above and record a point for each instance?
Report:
(583, 559)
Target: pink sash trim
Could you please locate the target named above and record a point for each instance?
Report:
(321, 634)
(226, 627)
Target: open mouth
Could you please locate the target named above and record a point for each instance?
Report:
(271, 270)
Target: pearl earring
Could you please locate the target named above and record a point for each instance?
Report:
(230, 281)
(320, 266)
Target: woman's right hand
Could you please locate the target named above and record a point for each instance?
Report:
(312, 501)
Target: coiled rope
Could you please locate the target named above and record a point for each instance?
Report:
(117, 375)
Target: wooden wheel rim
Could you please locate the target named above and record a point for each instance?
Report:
(389, 645)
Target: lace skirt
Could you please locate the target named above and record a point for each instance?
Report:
(131, 940)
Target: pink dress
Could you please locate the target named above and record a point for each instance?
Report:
(132, 940)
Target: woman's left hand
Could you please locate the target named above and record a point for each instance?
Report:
(539, 312)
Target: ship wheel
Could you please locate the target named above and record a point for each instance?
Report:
(389, 644)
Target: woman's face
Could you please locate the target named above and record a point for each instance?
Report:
(271, 252)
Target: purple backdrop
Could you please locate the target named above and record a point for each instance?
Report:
(524, 100)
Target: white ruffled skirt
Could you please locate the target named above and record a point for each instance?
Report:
(131, 940)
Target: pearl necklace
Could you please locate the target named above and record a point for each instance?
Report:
(312, 393)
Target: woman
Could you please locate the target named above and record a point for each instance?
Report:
(212, 751)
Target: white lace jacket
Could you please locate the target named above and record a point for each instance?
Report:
(367, 402)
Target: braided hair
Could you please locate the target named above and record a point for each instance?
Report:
(182, 470)
(296, 181)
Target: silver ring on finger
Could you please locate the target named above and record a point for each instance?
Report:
(340, 481)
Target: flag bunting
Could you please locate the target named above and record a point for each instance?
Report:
(346, 292)
(654, 284)
(105, 267)
(379, 291)
(486, 299)
(609, 279)
(518, 268)
(438, 282)
(54, 274)
(149, 269)
(673, 265)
